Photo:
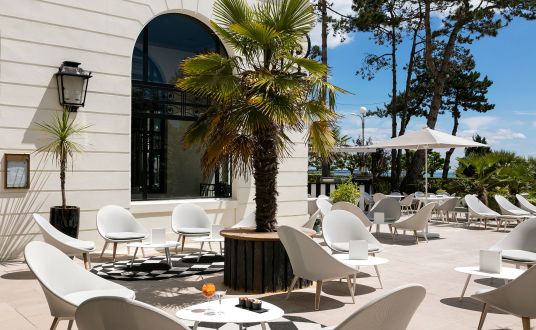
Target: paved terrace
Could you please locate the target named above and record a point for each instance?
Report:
(23, 305)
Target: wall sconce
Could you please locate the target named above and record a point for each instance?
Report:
(72, 84)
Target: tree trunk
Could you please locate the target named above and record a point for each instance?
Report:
(265, 169)
(326, 164)
(394, 105)
(448, 155)
(63, 167)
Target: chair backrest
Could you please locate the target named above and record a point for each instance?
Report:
(408, 200)
(389, 206)
(308, 259)
(343, 226)
(507, 207)
(53, 236)
(522, 237)
(310, 224)
(477, 207)
(322, 196)
(391, 311)
(189, 216)
(419, 194)
(367, 197)
(518, 297)
(418, 220)
(107, 313)
(377, 197)
(448, 205)
(324, 206)
(355, 210)
(114, 218)
(395, 193)
(525, 204)
(247, 222)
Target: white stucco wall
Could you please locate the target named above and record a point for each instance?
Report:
(35, 38)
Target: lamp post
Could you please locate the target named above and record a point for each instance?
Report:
(362, 114)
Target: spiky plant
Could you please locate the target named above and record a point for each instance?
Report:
(61, 146)
(261, 95)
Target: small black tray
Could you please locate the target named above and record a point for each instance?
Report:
(260, 311)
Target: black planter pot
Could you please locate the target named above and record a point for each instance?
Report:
(66, 220)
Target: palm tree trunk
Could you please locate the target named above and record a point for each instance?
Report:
(63, 166)
(265, 169)
(326, 164)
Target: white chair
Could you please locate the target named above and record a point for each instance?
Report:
(355, 210)
(377, 197)
(447, 208)
(481, 212)
(519, 245)
(389, 206)
(66, 244)
(406, 203)
(65, 284)
(310, 224)
(115, 313)
(311, 262)
(117, 225)
(391, 311)
(339, 227)
(517, 297)
(507, 208)
(189, 220)
(415, 222)
(525, 204)
(324, 205)
(247, 222)
(369, 201)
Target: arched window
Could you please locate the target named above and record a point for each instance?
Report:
(160, 167)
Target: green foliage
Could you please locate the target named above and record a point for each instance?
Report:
(346, 192)
(435, 162)
(478, 150)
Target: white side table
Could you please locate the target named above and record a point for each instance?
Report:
(148, 245)
(230, 313)
(506, 274)
(355, 263)
(209, 239)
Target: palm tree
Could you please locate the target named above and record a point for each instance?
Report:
(260, 95)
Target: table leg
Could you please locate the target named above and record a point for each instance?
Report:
(221, 250)
(240, 326)
(377, 229)
(465, 286)
(263, 325)
(200, 251)
(196, 324)
(133, 257)
(378, 275)
(168, 257)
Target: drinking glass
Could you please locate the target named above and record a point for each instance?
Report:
(208, 291)
(220, 295)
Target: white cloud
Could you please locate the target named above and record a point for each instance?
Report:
(500, 135)
(475, 123)
(342, 6)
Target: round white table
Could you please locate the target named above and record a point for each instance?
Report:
(209, 239)
(506, 274)
(230, 313)
(356, 263)
(148, 245)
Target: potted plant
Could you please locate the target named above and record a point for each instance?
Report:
(346, 192)
(62, 147)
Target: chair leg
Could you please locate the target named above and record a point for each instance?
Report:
(177, 246)
(416, 237)
(526, 323)
(350, 288)
(182, 245)
(291, 287)
(87, 262)
(70, 325)
(54, 324)
(317, 295)
(115, 250)
(483, 316)
(104, 248)
(142, 249)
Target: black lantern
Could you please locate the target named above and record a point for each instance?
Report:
(72, 84)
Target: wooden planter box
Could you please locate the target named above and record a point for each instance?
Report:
(257, 262)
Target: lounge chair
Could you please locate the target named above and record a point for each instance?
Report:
(507, 208)
(525, 204)
(519, 245)
(481, 212)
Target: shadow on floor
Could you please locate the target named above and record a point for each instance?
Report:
(468, 303)
(301, 302)
(22, 275)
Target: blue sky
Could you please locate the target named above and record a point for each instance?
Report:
(509, 60)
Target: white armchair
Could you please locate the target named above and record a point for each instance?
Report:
(339, 227)
(117, 225)
(247, 222)
(324, 205)
(447, 208)
(189, 220)
(389, 206)
(507, 208)
(517, 298)
(377, 197)
(525, 204)
(310, 224)
(391, 311)
(415, 222)
(109, 313)
(66, 244)
(311, 262)
(519, 245)
(407, 202)
(65, 284)
(352, 208)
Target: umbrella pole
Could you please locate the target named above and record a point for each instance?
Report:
(426, 174)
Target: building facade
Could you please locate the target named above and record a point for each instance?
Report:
(133, 154)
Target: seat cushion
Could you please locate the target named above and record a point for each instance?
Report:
(345, 247)
(78, 297)
(519, 255)
(194, 231)
(126, 235)
(83, 245)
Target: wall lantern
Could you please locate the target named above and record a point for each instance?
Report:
(72, 84)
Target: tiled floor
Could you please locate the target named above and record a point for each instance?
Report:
(23, 305)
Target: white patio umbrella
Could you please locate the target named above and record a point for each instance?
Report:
(426, 138)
